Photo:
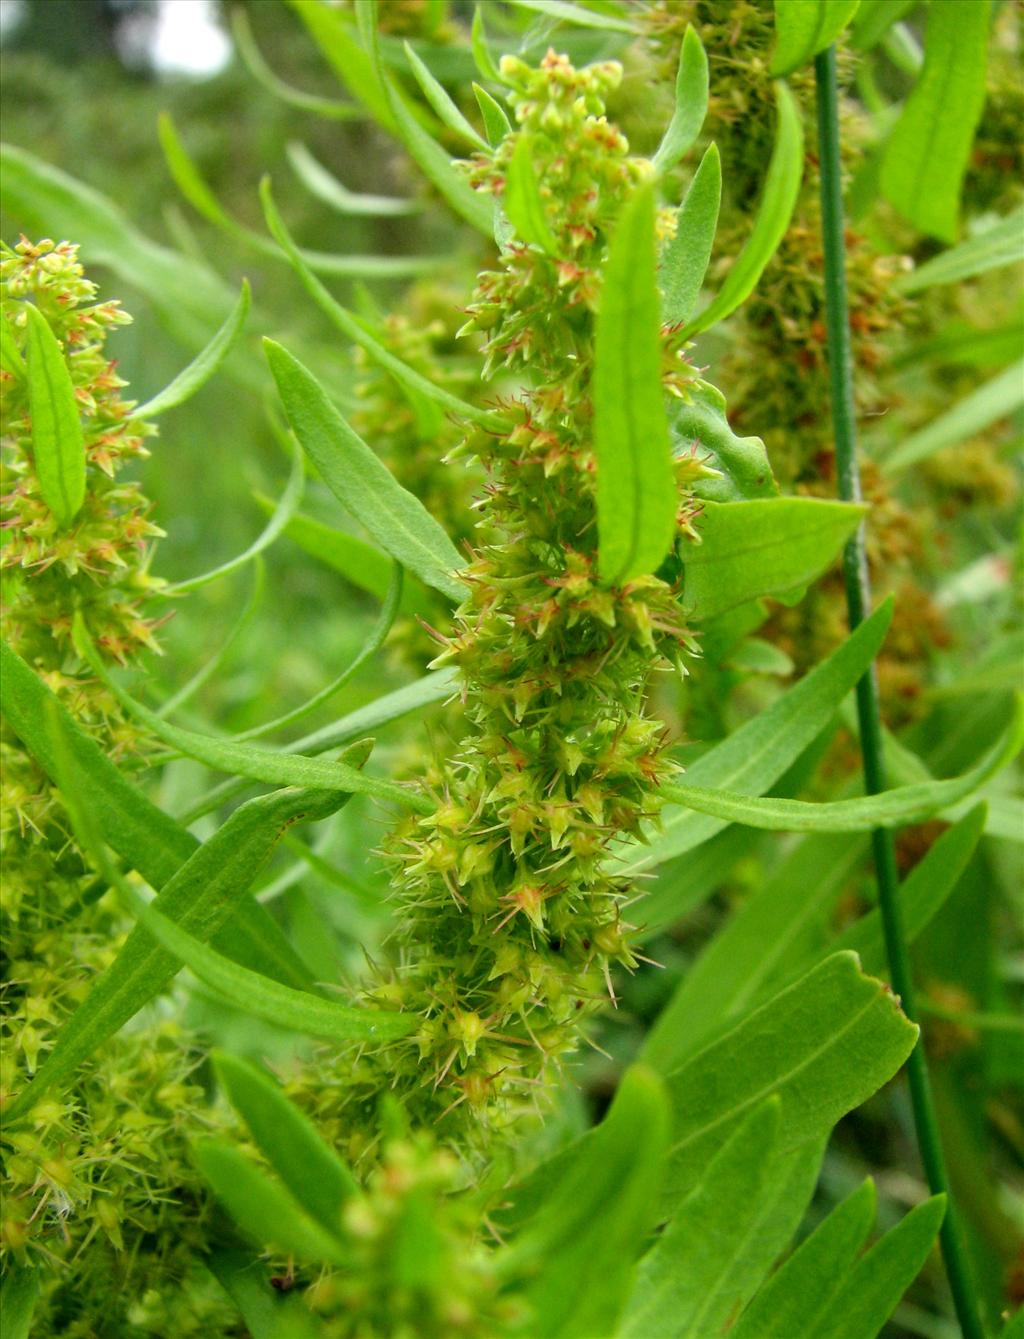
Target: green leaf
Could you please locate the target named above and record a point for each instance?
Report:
(768, 933)
(723, 1238)
(927, 152)
(636, 492)
(756, 755)
(874, 18)
(996, 399)
(261, 1208)
(362, 564)
(195, 190)
(260, 996)
(447, 112)
(822, 1046)
(684, 261)
(587, 1236)
(363, 485)
(18, 1296)
(258, 764)
(1002, 244)
(570, 13)
(481, 52)
(874, 1286)
(293, 97)
(798, 1297)
(699, 423)
(691, 104)
(281, 515)
(356, 69)
(58, 446)
(496, 122)
(769, 547)
(353, 330)
(202, 367)
(312, 1171)
(890, 808)
(431, 157)
(805, 27)
(522, 199)
(200, 897)
(782, 184)
(326, 187)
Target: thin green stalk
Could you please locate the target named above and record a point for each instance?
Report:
(858, 599)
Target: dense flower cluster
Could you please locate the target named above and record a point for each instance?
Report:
(98, 1175)
(510, 919)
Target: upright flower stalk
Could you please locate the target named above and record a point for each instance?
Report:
(511, 920)
(858, 598)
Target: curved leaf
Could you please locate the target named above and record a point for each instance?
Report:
(199, 371)
(691, 103)
(926, 155)
(700, 423)
(778, 201)
(447, 112)
(252, 57)
(1002, 244)
(363, 485)
(326, 187)
(636, 492)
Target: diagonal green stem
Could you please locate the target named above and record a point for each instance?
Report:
(858, 599)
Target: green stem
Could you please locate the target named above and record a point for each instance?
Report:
(858, 599)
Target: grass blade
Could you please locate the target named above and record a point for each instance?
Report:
(363, 485)
(199, 371)
(58, 445)
(1002, 244)
(636, 492)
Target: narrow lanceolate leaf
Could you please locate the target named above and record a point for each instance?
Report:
(805, 27)
(754, 757)
(890, 808)
(363, 485)
(146, 839)
(927, 152)
(873, 20)
(992, 249)
(253, 60)
(636, 494)
(260, 996)
(10, 355)
(873, 1288)
(770, 547)
(723, 1237)
(523, 202)
(776, 209)
(496, 122)
(310, 1170)
(684, 261)
(691, 103)
(990, 402)
(447, 112)
(18, 1296)
(248, 760)
(262, 1208)
(326, 187)
(353, 330)
(58, 446)
(578, 14)
(798, 1297)
(203, 366)
(485, 62)
(200, 898)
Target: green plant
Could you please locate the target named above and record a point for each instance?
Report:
(567, 1055)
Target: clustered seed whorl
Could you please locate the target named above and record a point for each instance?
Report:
(510, 920)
